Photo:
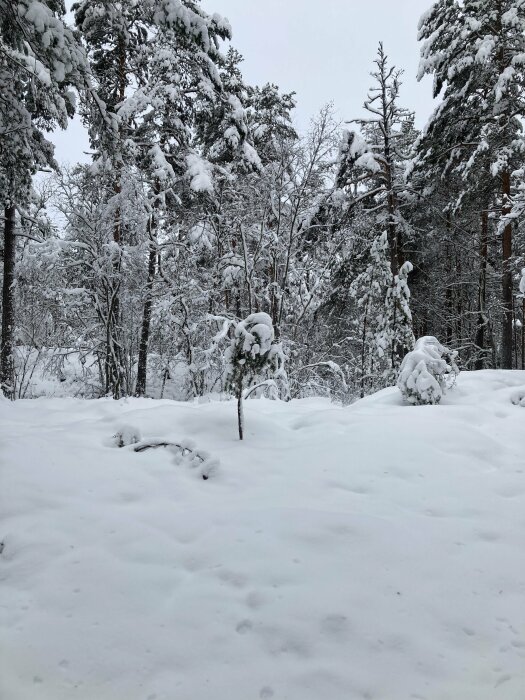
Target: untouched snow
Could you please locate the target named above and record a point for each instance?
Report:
(374, 551)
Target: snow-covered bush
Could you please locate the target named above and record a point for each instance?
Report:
(252, 354)
(427, 372)
(127, 435)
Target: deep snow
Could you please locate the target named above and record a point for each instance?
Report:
(375, 551)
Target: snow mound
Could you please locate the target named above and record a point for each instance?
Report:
(518, 397)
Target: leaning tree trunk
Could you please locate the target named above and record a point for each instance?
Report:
(7, 365)
(140, 387)
(507, 330)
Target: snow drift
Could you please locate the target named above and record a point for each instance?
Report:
(373, 551)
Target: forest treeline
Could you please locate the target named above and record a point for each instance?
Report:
(202, 205)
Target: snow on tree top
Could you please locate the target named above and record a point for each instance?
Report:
(257, 334)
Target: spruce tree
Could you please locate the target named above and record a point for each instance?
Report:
(371, 174)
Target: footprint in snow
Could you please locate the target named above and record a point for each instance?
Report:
(244, 627)
(255, 600)
(334, 625)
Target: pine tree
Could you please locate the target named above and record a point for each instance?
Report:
(40, 59)
(114, 35)
(158, 68)
(374, 161)
(252, 353)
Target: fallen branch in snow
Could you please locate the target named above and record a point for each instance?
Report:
(207, 466)
(153, 444)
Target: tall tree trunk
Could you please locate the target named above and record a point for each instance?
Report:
(506, 336)
(482, 290)
(140, 387)
(7, 365)
(114, 362)
(449, 305)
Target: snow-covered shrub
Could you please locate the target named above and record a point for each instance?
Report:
(199, 462)
(55, 372)
(252, 354)
(427, 372)
(127, 435)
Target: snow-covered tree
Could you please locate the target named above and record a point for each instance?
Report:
(369, 195)
(384, 319)
(252, 354)
(372, 163)
(474, 50)
(369, 290)
(158, 70)
(427, 372)
(395, 335)
(40, 61)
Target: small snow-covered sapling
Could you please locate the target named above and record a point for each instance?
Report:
(427, 372)
(252, 352)
(127, 435)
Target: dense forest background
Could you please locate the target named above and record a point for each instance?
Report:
(202, 206)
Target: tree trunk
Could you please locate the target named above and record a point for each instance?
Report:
(140, 387)
(506, 336)
(482, 290)
(240, 413)
(7, 365)
(114, 361)
(114, 373)
(523, 334)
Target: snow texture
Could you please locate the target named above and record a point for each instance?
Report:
(199, 173)
(320, 562)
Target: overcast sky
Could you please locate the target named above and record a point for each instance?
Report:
(321, 49)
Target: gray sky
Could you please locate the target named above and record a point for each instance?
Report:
(321, 49)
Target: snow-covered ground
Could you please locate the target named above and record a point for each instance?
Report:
(375, 551)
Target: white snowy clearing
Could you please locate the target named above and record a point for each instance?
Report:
(374, 551)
